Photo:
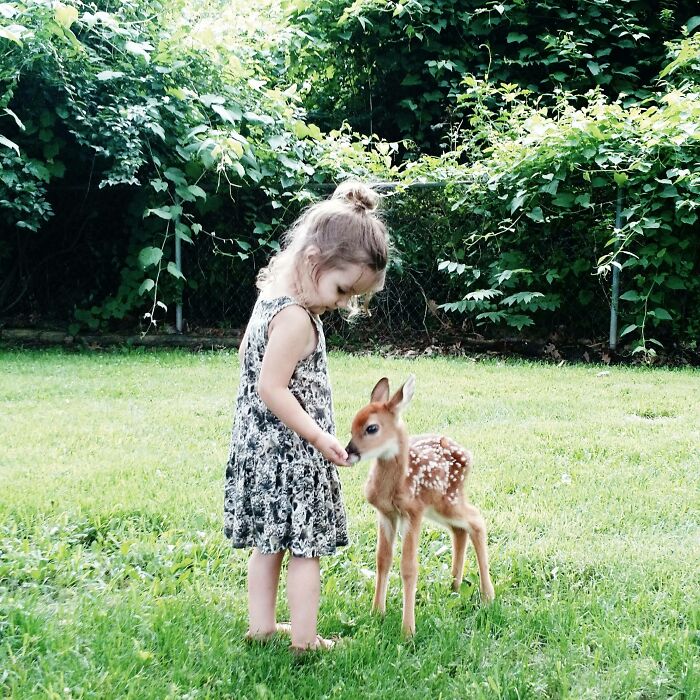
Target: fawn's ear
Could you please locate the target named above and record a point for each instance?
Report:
(401, 399)
(380, 393)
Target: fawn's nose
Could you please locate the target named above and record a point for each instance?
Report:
(353, 453)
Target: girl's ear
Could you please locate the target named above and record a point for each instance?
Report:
(311, 254)
(401, 399)
(380, 393)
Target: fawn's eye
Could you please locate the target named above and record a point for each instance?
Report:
(341, 291)
(372, 429)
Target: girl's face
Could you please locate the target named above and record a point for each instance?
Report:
(335, 286)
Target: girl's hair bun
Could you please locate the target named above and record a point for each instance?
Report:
(357, 194)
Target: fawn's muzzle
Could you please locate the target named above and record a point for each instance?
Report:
(353, 453)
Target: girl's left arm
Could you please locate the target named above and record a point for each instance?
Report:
(290, 338)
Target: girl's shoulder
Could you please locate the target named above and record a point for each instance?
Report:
(271, 304)
(291, 324)
(292, 320)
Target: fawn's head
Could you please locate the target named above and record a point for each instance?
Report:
(376, 427)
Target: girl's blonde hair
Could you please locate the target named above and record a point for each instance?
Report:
(345, 229)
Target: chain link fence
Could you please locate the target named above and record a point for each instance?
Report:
(406, 307)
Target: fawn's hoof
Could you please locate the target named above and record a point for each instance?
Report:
(488, 595)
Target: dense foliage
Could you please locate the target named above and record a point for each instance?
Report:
(130, 129)
(161, 110)
(542, 203)
(394, 67)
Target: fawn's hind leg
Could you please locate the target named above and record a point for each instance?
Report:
(474, 523)
(460, 539)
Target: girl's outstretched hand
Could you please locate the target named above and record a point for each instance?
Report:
(331, 449)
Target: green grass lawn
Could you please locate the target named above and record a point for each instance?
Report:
(116, 581)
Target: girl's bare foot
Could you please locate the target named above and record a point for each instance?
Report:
(280, 628)
(319, 644)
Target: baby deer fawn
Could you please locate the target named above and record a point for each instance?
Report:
(410, 478)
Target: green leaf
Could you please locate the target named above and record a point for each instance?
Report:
(315, 132)
(493, 316)
(481, 294)
(208, 100)
(7, 33)
(178, 93)
(628, 329)
(675, 283)
(259, 118)
(504, 275)
(182, 231)
(162, 212)
(515, 37)
(197, 191)
(662, 314)
(289, 163)
(184, 194)
(10, 144)
(536, 214)
(146, 286)
(521, 298)
(150, 256)
(157, 129)
(65, 15)
(172, 269)
(620, 178)
(519, 321)
(159, 185)
(693, 23)
(411, 79)
(139, 49)
(175, 175)
(517, 201)
(300, 129)
(551, 187)
(278, 141)
(232, 116)
(19, 123)
(564, 200)
(109, 74)
(630, 296)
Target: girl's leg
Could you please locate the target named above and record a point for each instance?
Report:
(303, 592)
(263, 578)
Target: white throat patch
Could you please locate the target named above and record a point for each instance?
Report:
(386, 451)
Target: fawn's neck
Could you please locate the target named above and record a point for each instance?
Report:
(391, 471)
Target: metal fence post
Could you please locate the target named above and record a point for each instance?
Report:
(178, 265)
(616, 273)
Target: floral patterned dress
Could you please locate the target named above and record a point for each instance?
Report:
(280, 492)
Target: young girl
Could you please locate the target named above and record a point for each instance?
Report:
(282, 488)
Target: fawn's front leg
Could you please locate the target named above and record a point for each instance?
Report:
(409, 571)
(386, 533)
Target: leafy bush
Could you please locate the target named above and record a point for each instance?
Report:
(137, 99)
(394, 67)
(543, 202)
